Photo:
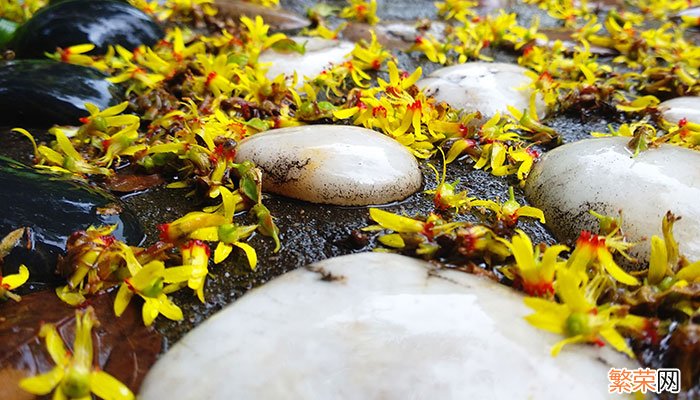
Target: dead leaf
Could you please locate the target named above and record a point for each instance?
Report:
(124, 347)
(125, 183)
(10, 241)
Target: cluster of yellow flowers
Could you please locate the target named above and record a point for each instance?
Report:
(650, 61)
(570, 295)
(96, 260)
(20, 11)
(362, 11)
(226, 96)
(75, 375)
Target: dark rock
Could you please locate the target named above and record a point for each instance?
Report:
(40, 93)
(53, 207)
(102, 23)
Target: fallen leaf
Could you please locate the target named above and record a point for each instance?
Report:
(125, 183)
(124, 347)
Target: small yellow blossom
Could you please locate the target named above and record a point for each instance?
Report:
(578, 318)
(534, 269)
(361, 10)
(74, 376)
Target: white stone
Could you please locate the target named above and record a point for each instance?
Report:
(333, 164)
(681, 107)
(481, 86)
(378, 326)
(400, 35)
(600, 174)
(320, 54)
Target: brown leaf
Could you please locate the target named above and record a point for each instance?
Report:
(278, 19)
(126, 183)
(10, 241)
(124, 347)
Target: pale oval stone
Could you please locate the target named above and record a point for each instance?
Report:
(602, 175)
(400, 35)
(320, 54)
(378, 326)
(569, 44)
(333, 164)
(692, 12)
(481, 86)
(687, 107)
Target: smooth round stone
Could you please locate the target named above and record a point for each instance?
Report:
(41, 93)
(54, 207)
(687, 107)
(569, 44)
(333, 164)
(601, 174)
(481, 86)
(320, 54)
(68, 23)
(378, 326)
(400, 35)
(692, 12)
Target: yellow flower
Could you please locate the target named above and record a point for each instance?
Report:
(529, 121)
(266, 226)
(182, 227)
(228, 236)
(615, 240)
(534, 270)
(430, 228)
(593, 249)
(130, 70)
(74, 376)
(460, 10)
(510, 210)
(267, 3)
(641, 103)
(76, 55)
(195, 268)
(665, 259)
(258, 38)
(361, 10)
(64, 158)
(11, 282)
(371, 55)
(432, 48)
(577, 316)
(147, 282)
(444, 196)
(216, 73)
(109, 117)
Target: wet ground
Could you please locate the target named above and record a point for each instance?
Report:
(311, 232)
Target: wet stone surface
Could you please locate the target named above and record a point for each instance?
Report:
(480, 86)
(40, 93)
(319, 54)
(309, 232)
(378, 326)
(332, 164)
(601, 174)
(312, 232)
(68, 23)
(679, 108)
